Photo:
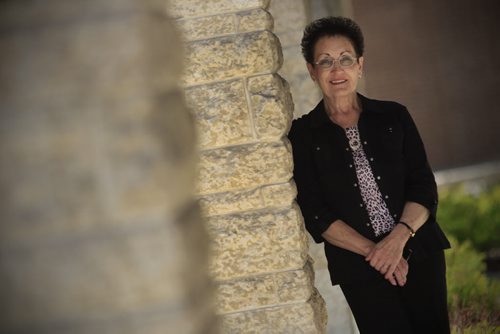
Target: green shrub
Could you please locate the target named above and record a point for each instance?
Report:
(471, 217)
(472, 297)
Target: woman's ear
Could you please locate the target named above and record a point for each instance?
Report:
(310, 68)
(361, 60)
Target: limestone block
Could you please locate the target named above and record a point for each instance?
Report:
(88, 267)
(289, 20)
(226, 24)
(254, 20)
(306, 94)
(206, 27)
(279, 195)
(98, 231)
(124, 63)
(304, 318)
(242, 167)
(221, 113)
(257, 242)
(17, 13)
(127, 159)
(271, 105)
(196, 8)
(270, 196)
(268, 290)
(227, 57)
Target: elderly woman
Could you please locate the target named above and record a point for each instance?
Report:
(366, 190)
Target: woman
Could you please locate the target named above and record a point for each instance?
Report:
(366, 190)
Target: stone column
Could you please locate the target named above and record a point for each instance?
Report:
(243, 111)
(290, 19)
(99, 232)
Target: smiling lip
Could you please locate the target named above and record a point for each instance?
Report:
(338, 82)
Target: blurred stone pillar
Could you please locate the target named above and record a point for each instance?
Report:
(98, 232)
(243, 111)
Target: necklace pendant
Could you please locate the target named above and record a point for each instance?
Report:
(354, 144)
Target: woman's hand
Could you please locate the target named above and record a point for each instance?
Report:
(400, 273)
(387, 254)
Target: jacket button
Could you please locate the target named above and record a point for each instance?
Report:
(378, 177)
(355, 185)
(390, 129)
(360, 205)
(367, 224)
(350, 166)
(318, 148)
(347, 148)
(386, 196)
(371, 159)
(394, 215)
(365, 142)
(316, 217)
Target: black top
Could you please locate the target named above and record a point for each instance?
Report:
(325, 175)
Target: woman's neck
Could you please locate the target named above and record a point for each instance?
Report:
(343, 111)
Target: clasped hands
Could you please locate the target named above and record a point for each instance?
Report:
(387, 257)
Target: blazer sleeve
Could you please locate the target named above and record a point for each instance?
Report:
(420, 183)
(317, 215)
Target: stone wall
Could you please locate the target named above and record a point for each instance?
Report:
(243, 111)
(98, 229)
(290, 19)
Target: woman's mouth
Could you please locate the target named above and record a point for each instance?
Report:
(337, 82)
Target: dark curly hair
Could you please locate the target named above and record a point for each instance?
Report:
(331, 26)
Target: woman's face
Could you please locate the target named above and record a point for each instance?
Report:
(335, 81)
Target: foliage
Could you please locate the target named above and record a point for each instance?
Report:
(471, 217)
(472, 297)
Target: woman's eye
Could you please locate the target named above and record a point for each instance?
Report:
(325, 62)
(346, 61)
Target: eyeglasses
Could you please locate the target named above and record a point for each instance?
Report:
(344, 61)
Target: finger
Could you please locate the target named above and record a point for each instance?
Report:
(403, 263)
(379, 265)
(391, 279)
(392, 268)
(383, 269)
(403, 266)
(403, 279)
(377, 262)
(400, 278)
(406, 267)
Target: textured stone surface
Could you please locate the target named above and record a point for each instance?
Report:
(243, 167)
(271, 196)
(221, 113)
(253, 243)
(226, 24)
(243, 111)
(193, 8)
(85, 268)
(97, 221)
(306, 94)
(254, 20)
(231, 56)
(272, 106)
(290, 18)
(268, 290)
(304, 318)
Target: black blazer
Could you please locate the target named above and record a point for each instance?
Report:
(327, 183)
